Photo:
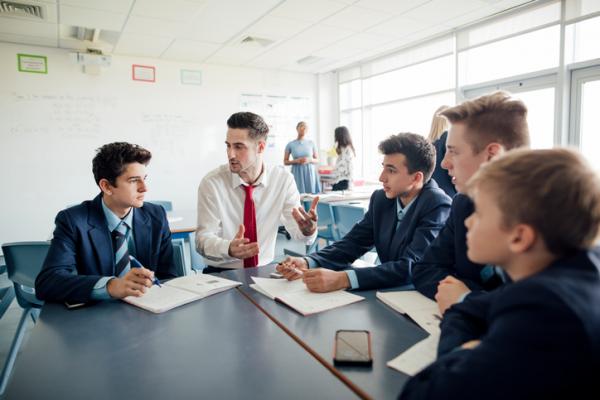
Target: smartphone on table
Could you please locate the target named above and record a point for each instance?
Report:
(352, 347)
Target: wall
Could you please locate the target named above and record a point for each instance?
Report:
(51, 124)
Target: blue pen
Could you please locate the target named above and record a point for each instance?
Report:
(137, 264)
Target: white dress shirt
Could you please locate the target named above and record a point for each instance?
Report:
(221, 212)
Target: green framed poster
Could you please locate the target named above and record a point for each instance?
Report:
(32, 63)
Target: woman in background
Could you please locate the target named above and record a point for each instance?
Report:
(344, 163)
(304, 154)
(437, 135)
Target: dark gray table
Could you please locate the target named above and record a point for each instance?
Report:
(391, 333)
(221, 347)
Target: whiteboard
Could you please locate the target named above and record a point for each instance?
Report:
(51, 125)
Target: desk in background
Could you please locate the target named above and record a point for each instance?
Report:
(221, 347)
(391, 333)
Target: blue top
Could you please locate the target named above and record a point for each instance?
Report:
(305, 175)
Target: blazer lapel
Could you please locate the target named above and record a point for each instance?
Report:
(100, 238)
(141, 235)
(388, 228)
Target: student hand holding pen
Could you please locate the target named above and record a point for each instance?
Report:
(292, 268)
(134, 283)
(320, 280)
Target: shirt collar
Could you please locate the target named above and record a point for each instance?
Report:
(263, 179)
(113, 221)
(401, 212)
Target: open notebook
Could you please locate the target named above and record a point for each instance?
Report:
(426, 314)
(180, 291)
(295, 295)
(422, 310)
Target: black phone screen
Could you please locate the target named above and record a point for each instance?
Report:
(352, 347)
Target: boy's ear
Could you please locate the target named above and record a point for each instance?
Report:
(418, 177)
(105, 186)
(523, 237)
(494, 149)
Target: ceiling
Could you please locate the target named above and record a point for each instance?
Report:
(327, 34)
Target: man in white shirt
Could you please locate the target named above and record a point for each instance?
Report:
(241, 204)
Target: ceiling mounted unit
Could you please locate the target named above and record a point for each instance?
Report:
(309, 60)
(256, 41)
(13, 9)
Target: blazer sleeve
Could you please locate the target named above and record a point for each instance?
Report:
(166, 263)
(358, 241)
(465, 321)
(514, 350)
(397, 272)
(59, 280)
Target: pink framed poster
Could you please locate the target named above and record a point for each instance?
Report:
(144, 73)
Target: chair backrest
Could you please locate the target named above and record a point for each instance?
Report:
(166, 204)
(326, 222)
(24, 261)
(178, 256)
(346, 217)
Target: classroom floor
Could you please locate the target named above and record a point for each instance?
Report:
(10, 320)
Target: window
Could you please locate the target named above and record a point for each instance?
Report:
(581, 40)
(518, 52)
(532, 51)
(585, 97)
(427, 77)
(590, 137)
(350, 94)
(538, 95)
(381, 121)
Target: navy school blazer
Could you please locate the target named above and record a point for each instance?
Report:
(396, 249)
(81, 250)
(540, 339)
(447, 255)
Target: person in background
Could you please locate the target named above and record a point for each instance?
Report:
(89, 257)
(304, 157)
(344, 163)
(438, 135)
(539, 336)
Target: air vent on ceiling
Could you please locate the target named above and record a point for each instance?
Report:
(309, 60)
(256, 41)
(12, 9)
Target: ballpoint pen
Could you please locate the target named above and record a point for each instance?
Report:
(136, 264)
(294, 269)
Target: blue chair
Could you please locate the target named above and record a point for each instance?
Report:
(179, 257)
(346, 217)
(24, 262)
(7, 294)
(166, 204)
(326, 228)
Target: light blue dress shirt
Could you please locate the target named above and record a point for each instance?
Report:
(400, 213)
(99, 292)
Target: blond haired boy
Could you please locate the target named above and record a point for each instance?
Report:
(537, 216)
(481, 129)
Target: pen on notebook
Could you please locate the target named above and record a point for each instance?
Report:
(136, 264)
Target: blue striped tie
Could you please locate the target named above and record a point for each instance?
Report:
(121, 250)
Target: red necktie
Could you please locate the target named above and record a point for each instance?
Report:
(250, 224)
